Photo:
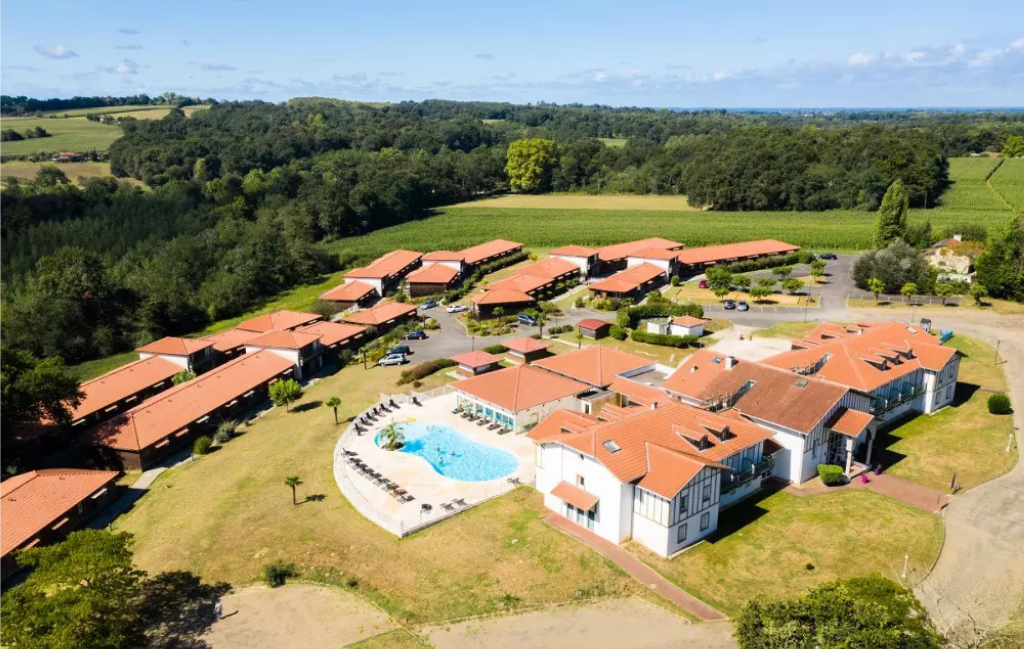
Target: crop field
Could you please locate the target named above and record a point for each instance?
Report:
(138, 112)
(1008, 180)
(970, 190)
(72, 134)
(583, 202)
(73, 170)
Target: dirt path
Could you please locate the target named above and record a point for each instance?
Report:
(296, 616)
(619, 624)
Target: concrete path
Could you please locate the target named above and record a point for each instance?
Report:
(636, 568)
(911, 493)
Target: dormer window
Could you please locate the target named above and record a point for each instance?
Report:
(611, 446)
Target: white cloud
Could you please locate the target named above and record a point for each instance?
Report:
(600, 77)
(912, 57)
(861, 59)
(127, 66)
(985, 57)
(56, 52)
(1017, 44)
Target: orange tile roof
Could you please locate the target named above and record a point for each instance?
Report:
(628, 280)
(348, 292)
(397, 260)
(708, 254)
(284, 339)
(623, 250)
(225, 341)
(668, 471)
(104, 391)
(574, 496)
(774, 395)
(592, 323)
(597, 365)
(525, 345)
(332, 333)
(444, 255)
(523, 283)
(476, 359)
(367, 272)
(381, 314)
(561, 422)
(654, 253)
(849, 422)
(865, 356)
(502, 296)
(34, 501)
(553, 268)
(175, 409)
(688, 321)
(478, 253)
(175, 346)
(519, 388)
(639, 393)
(574, 251)
(433, 274)
(278, 320)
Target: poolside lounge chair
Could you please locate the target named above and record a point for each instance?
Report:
(448, 507)
(460, 502)
(407, 498)
(481, 422)
(426, 507)
(393, 404)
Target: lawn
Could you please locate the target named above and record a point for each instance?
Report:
(582, 202)
(791, 330)
(671, 356)
(141, 111)
(689, 293)
(1001, 307)
(73, 170)
(232, 514)
(92, 369)
(397, 639)
(766, 547)
(614, 142)
(74, 134)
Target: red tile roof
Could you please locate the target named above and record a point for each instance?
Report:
(574, 496)
(502, 296)
(389, 265)
(573, 251)
(278, 320)
(519, 388)
(639, 393)
(553, 268)
(849, 422)
(176, 409)
(688, 321)
(592, 323)
(333, 333)
(597, 365)
(444, 255)
(561, 422)
(352, 291)
(710, 254)
(433, 274)
(478, 253)
(623, 250)
(381, 314)
(628, 280)
(225, 341)
(172, 346)
(34, 501)
(284, 340)
(525, 345)
(523, 283)
(655, 253)
(476, 359)
(104, 391)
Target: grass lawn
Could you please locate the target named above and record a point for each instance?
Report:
(1002, 307)
(73, 134)
(763, 547)
(690, 293)
(141, 111)
(614, 142)
(671, 356)
(74, 170)
(232, 514)
(92, 369)
(567, 201)
(791, 330)
(397, 639)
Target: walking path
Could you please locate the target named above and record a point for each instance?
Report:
(911, 493)
(636, 568)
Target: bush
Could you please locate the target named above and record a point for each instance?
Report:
(604, 304)
(202, 445)
(225, 431)
(581, 302)
(999, 404)
(431, 325)
(831, 474)
(277, 573)
(560, 329)
(629, 318)
(896, 265)
(424, 370)
(617, 332)
(675, 281)
(496, 349)
(326, 309)
(792, 259)
(665, 340)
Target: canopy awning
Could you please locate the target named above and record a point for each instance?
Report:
(574, 496)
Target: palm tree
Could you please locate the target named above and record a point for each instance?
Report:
(334, 402)
(391, 437)
(293, 481)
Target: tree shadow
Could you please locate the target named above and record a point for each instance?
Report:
(313, 498)
(309, 405)
(177, 609)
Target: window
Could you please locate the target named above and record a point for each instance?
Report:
(611, 446)
(80, 508)
(949, 392)
(681, 535)
(683, 504)
(705, 521)
(579, 482)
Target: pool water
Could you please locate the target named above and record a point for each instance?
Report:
(453, 455)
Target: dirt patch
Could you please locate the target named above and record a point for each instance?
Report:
(297, 616)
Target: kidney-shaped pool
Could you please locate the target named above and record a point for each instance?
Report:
(453, 455)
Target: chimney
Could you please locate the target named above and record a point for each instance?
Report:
(654, 405)
(693, 368)
(730, 362)
(958, 237)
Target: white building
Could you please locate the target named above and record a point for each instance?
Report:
(586, 259)
(666, 260)
(193, 354)
(686, 325)
(518, 397)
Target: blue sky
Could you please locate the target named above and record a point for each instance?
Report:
(899, 53)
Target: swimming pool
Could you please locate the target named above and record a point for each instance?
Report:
(453, 455)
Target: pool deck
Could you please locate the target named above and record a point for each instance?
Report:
(416, 475)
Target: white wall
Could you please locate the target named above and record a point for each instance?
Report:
(290, 354)
(377, 284)
(537, 414)
(561, 464)
(456, 264)
(177, 360)
(581, 262)
(663, 264)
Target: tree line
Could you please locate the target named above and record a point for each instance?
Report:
(22, 105)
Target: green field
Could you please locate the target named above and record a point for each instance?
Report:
(970, 189)
(72, 134)
(1008, 181)
(614, 142)
(138, 111)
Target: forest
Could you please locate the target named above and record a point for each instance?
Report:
(238, 198)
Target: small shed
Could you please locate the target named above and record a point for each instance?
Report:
(475, 363)
(594, 328)
(527, 349)
(686, 325)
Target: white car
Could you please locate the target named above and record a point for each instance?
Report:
(456, 308)
(393, 359)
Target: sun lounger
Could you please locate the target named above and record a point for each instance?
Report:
(448, 507)
(407, 498)
(460, 502)
(481, 422)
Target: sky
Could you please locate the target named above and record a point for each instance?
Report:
(714, 53)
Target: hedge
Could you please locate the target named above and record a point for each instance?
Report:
(424, 370)
(831, 474)
(665, 340)
(560, 329)
(630, 317)
(496, 349)
(617, 332)
(470, 282)
(792, 259)
(999, 404)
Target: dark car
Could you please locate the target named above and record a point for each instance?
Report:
(527, 319)
(742, 306)
(831, 256)
(416, 335)
(702, 284)
(429, 304)
(729, 305)
(399, 349)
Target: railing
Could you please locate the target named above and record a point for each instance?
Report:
(733, 481)
(880, 405)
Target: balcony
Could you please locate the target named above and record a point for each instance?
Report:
(733, 481)
(881, 405)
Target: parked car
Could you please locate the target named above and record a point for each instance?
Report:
(429, 304)
(393, 359)
(456, 308)
(742, 306)
(527, 319)
(419, 334)
(703, 283)
(399, 349)
(828, 255)
(729, 305)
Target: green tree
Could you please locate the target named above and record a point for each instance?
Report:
(741, 282)
(1000, 269)
(391, 437)
(530, 163)
(293, 482)
(792, 285)
(34, 389)
(718, 278)
(877, 287)
(909, 290)
(782, 272)
(817, 270)
(334, 402)
(1013, 147)
(285, 392)
(182, 377)
(579, 339)
(759, 292)
(862, 612)
(721, 291)
(767, 283)
(891, 223)
(979, 293)
(946, 290)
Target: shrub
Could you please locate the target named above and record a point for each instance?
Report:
(225, 431)
(581, 302)
(604, 304)
(792, 259)
(277, 573)
(665, 340)
(326, 309)
(675, 281)
(560, 329)
(417, 384)
(999, 404)
(831, 474)
(496, 349)
(617, 332)
(431, 325)
(629, 318)
(202, 445)
(424, 370)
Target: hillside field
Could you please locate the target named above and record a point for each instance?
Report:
(650, 202)
(1008, 181)
(74, 170)
(138, 112)
(71, 134)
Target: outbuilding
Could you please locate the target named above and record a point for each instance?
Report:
(527, 349)
(475, 363)
(594, 328)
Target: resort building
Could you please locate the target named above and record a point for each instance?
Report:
(512, 294)
(386, 271)
(586, 259)
(491, 251)
(229, 344)
(42, 507)
(594, 328)
(302, 349)
(633, 283)
(474, 363)
(384, 316)
(453, 260)
(666, 260)
(697, 260)
(950, 258)
(517, 397)
(686, 325)
(554, 269)
(616, 257)
(122, 388)
(351, 294)
(278, 321)
(598, 366)
(431, 280)
(527, 350)
(335, 337)
(193, 354)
